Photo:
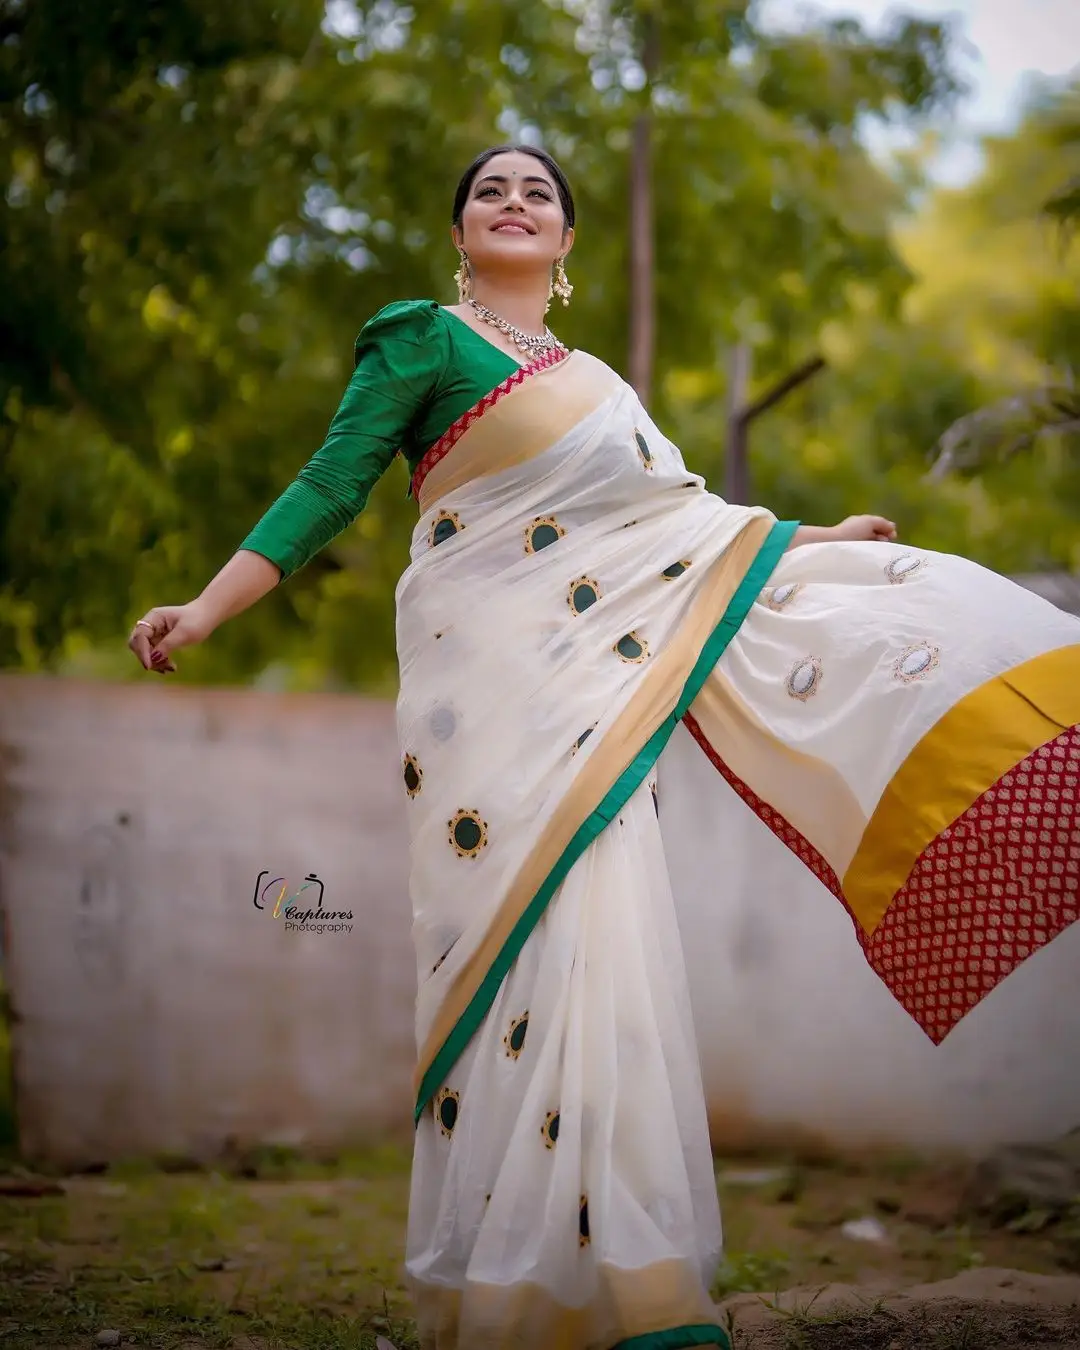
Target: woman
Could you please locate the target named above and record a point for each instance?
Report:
(902, 720)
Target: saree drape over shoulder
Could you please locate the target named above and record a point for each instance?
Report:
(904, 721)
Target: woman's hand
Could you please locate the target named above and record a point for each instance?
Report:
(858, 528)
(162, 630)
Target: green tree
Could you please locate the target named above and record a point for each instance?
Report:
(1039, 320)
(205, 204)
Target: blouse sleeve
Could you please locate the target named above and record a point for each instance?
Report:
(399, 357)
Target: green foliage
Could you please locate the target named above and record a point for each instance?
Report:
(206, 202)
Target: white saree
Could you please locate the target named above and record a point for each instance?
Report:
(904, 721)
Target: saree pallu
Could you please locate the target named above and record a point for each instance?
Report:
(903, 721)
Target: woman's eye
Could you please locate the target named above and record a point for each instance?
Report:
(539, 192)
(484, 192)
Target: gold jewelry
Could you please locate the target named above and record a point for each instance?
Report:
(463, 277)
(533, 345)
(560, 286)
(144, 623)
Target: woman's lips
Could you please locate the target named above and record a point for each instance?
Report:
(512, 225)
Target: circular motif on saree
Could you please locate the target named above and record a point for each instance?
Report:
(582, 594)
(447, 1108)
(583, 1222)
(905, 565)
(643, 450)
(632, 648)
(916, 662)
(413, 775)
(676, 569)
(514, 1040)
(804, 678)
(443, 722)
(468, 833)
(550, 1129)
(779, 596)
(544, 530)
(445, 525)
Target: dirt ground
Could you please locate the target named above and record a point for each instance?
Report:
(984, 1309)
(273, 1252)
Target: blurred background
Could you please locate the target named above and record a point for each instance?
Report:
(833, 249)
(205, 202)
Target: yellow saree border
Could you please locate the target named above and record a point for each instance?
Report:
(604, 784)
(505, 430)
(962, 756)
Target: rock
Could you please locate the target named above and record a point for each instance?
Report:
(1020, 1178)
(864, 1230)
(108, 1338)
(976, 1288)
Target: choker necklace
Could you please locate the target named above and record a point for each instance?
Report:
(527, 343)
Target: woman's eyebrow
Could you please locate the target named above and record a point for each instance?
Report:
(501, 178)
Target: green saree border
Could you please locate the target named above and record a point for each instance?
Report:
(628, 782)
(678, 1338)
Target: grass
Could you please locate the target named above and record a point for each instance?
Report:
(308, 1258)
(279, 1251)
(274, 1251)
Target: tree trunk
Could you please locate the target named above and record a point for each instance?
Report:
(642, 267)
(736, 467)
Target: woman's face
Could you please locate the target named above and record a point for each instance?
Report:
(513, 218)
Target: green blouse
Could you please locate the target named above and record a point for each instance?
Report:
(417, 369)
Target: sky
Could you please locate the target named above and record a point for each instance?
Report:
(1010, 40)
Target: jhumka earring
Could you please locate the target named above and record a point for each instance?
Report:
(560, 286)
(463, 277)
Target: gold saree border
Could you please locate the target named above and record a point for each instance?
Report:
(811, 795)
(514, 424)
(987, 733)
(605, 782)
(647, 1308)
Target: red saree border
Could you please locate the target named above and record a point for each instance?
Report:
(456, 430)
(993, 888)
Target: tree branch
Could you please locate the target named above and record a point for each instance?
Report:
(781, 390)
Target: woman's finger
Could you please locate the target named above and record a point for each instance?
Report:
(145, 634)
(141, 643)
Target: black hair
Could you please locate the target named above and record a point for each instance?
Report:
(566, 197)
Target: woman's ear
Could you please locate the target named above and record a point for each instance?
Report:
(567, 240)
(457, 236)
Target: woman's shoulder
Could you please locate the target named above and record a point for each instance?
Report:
(415, 323)
(402, 317)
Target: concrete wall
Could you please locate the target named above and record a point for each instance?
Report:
(159, 1010)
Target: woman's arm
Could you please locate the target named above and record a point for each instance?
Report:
(399, 357)
(851, 530)
(245, 578)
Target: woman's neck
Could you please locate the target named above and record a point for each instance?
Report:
(520, 303)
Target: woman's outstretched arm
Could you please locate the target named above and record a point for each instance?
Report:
(245, 578)
(851, 530)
